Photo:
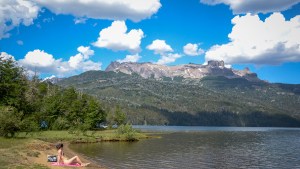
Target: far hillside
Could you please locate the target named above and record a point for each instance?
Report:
(220, 97)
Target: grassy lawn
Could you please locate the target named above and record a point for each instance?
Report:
(14, 153)
(89, 136)
(13, 142)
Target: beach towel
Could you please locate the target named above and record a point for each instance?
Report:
(68, 165)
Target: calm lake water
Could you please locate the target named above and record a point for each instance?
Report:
(202, 147)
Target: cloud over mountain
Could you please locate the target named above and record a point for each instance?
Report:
(252, 40)
(130, 58)
(164, 50)
(192, 50)
(43, 62)
(159, 47)
(168, 58)
(77, 61)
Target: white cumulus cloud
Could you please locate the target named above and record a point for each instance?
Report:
(134, 10)
(254, 6)
(252, 40)
(89, 65)
(38, 58)
(43, 62)
(78, 60)
(168, 58)
(192, 50)
(160, 47)
(130, 58)
(85, 51)
(164, 50)
(14, 13)
(5, 56)
(116, 38)
(40, 61)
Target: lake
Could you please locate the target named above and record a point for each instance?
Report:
(201, 147)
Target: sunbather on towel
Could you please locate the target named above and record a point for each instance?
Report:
(61, 159)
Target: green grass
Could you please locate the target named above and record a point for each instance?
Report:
(31, 166)
(89, 136)
(6, 143)
(12, 149)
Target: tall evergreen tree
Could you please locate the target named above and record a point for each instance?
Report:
(12, 84)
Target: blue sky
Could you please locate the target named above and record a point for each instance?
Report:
(65, 38)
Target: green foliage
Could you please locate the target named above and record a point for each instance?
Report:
(25, 103)
(9, 121)
(94, 114)
(29, 124)
(126, 131)
(12, 84)
(110, 119)
(72, 110)
(60, 123)
(118, 117)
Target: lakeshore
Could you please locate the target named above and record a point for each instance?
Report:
(31, 150)
(201, 147)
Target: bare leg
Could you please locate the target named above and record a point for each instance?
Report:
(74, 159)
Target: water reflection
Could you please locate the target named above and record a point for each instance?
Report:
(205, 149)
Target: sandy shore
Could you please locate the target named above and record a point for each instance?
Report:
(45, 148)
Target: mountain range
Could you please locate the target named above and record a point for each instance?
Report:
(191, 94)
(191, 71)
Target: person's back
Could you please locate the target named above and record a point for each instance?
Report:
(61, 160)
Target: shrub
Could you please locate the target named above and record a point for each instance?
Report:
(10, 120)
(127, 131)
(29, 124)
(60, 124)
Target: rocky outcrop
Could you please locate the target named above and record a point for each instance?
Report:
(52, 79)
(214, 63)
(193, 71)
(247, 74)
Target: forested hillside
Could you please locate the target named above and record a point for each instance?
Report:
(212, 100)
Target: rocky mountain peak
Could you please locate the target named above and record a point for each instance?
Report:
(52, 79)
(112, 66)
(215, 63)
(192, 71)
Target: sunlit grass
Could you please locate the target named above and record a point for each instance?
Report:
(13, 153)
(12, 142)
(89, 136)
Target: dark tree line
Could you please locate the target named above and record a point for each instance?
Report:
(31, 105)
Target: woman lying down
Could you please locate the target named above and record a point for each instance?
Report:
(62, 160)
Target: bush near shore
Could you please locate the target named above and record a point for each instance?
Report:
(92, 136)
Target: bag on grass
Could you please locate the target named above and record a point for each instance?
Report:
(52, 158)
